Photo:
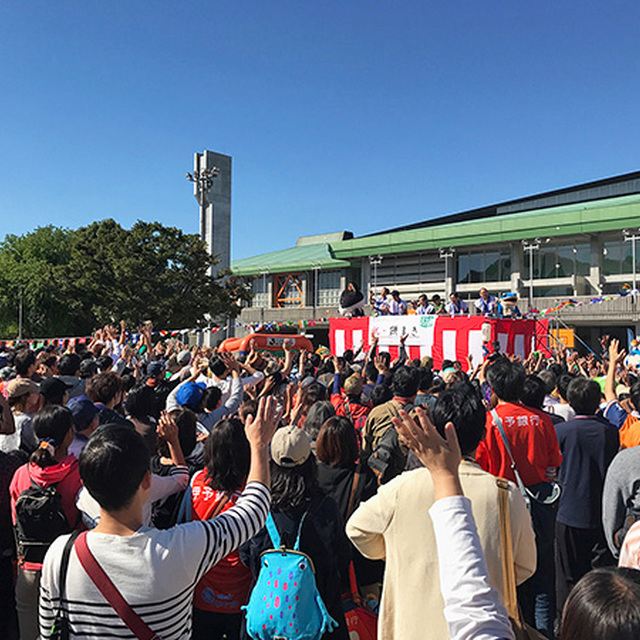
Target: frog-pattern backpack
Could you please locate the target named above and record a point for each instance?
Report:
(285, 603)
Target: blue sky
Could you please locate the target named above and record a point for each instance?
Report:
(353, 115)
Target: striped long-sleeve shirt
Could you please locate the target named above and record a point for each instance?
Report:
(155, 570)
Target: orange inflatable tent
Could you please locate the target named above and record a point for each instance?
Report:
(268, 341)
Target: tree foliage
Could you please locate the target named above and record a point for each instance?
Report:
(74, 281)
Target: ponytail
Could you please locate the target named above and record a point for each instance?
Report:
(51, 426)
(44, 455)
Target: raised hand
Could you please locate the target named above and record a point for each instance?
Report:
(260, 428)
(440, 455)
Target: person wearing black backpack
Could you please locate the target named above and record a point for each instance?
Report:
(43, 495)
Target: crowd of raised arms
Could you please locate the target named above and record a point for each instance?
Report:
(145, 485)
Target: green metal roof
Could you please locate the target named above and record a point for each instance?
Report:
(585, 217)
(294, 259)
(609, 214)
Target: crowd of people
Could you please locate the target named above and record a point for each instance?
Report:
(143, 485)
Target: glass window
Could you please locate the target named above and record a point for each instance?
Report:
(617, 257)
(329, 288)
(260, 289)
(505, 265)
(484, 266)
(463, 268)
(546, 292)
(559, 260)
(491, 266)
(582, 258)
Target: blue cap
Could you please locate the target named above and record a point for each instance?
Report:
(83, 410)
(190, 394)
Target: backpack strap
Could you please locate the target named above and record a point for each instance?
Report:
(273, 531)
(296, 546)
(275, 536)
(136, 624)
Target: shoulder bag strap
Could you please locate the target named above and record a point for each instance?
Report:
(347, 409)
(217, 510)
(62, 587)
(64, 564)
(184, 508)
(503, 435)
(506, 545)
(110, 592)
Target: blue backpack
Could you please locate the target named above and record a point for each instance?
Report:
(285, 603)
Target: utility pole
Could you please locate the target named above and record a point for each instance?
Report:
(445, 254)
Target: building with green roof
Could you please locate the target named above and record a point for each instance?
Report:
(575, 243)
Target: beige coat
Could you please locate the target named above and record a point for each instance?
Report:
(394, 525)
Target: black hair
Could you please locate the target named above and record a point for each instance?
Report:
(128, 380)
(85, 369)
(380, 394)
(506, 378)
(446, 364)
(218, 367)
(584, 396)
(227, 456)
(310, 394)
(187, 432)
(317, 415)
(386, 358)
(635, 395)
(405, 382)
(23, 360)
(563, 384)
(104, 363)
(248, 407)
(533, 392)
(348, 356)
(211, 398)
(50, 425)
(141, 402)
(604, 605)
(438, 385)
(462, 405)
(426, 379)
(104, 387)
(337, 443)
(549, 379)
(293, 487)
(113, 464)
(370, 372)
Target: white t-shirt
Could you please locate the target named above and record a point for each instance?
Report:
(155, 570)
(161, 487)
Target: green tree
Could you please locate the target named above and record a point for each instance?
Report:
(149, 272)
(30, 268)
(74, 281)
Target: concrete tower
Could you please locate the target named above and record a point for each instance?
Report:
(212, 189)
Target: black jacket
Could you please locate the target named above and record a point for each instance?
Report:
(323, 539)
(338, 483)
